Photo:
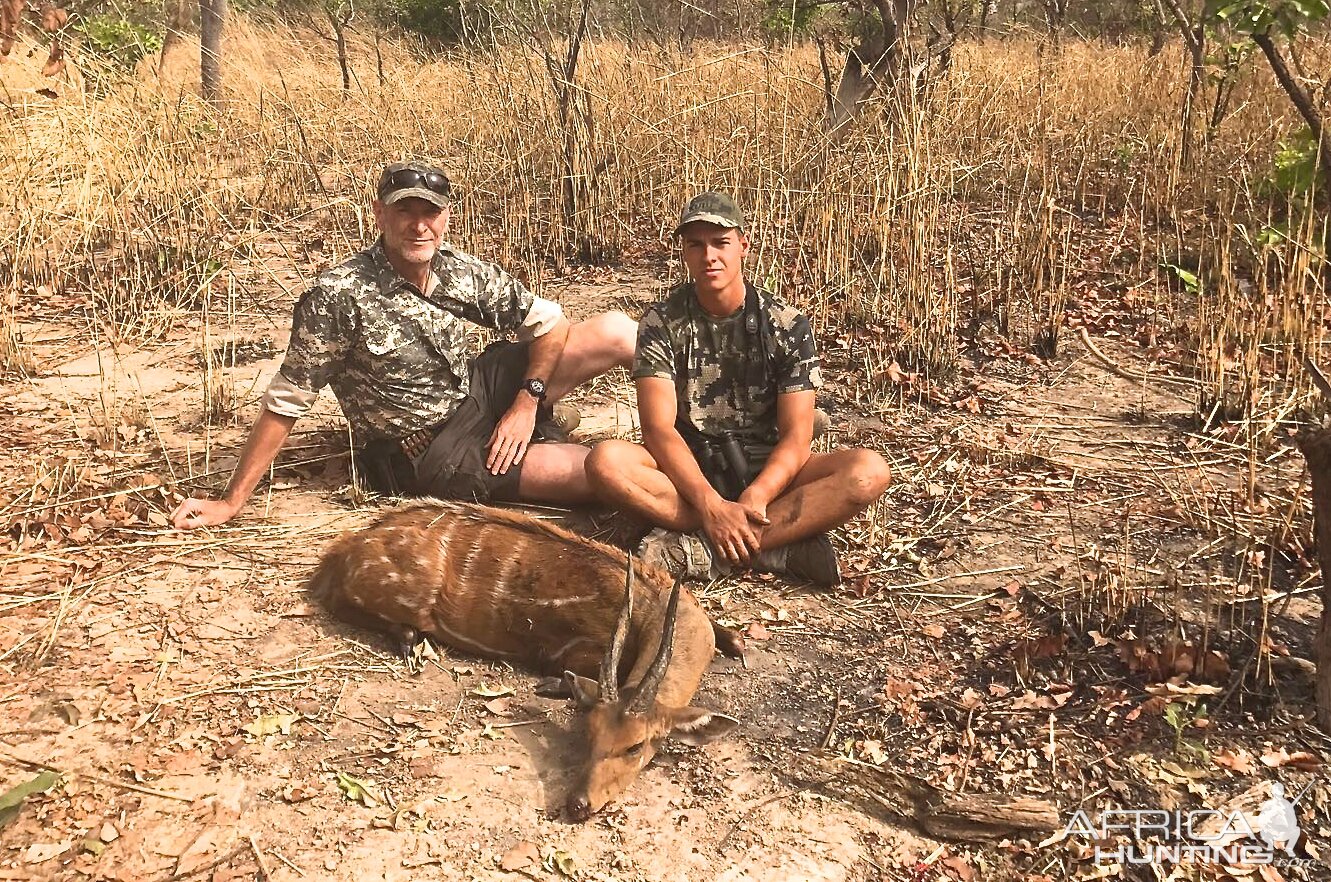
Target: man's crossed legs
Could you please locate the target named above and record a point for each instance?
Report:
(829, 490)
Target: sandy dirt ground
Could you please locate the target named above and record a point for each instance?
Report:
(212, 724)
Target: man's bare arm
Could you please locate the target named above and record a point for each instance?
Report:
(511, 436)
(730, 525)
(794, 425)
(657, 410)
(266, 439)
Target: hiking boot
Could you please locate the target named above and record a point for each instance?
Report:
(683, 555)
(566, 417)
(813, 560)
(563, 419)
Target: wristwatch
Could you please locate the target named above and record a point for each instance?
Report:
(535, 388)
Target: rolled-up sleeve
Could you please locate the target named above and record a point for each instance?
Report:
(541, 318)
(285, 398)
(322, 327)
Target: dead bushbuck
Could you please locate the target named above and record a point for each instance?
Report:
(507, 586)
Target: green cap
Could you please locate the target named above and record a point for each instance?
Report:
(414, 179)
(713, 208)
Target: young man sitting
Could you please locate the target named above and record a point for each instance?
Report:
(725, 376)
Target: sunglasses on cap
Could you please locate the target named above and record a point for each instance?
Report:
(407, 178)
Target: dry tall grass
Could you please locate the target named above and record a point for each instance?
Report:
(969, 203)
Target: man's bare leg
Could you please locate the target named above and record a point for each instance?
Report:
(555, 473)
(830, 490)
(625, 476)
(593, 347)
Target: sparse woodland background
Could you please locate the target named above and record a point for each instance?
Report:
(973, 201)
(926, 179)
(925, 170)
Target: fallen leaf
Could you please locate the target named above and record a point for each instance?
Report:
(520, 857)
(485, 690)
(562, 862)
(970, 699)
(1301, 759)
(271, 724)
(757, 631)
(1033, 701)
(11, 801)
(1164, 690)
(297, 793)
(40, 852)
(498, 706)
(935, 631)
(873, 752)
(356, 790)
(1238, 761)
(958, 867)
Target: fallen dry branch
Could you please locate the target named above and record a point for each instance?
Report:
(100, 779)
(1126, 373)
(892, 796)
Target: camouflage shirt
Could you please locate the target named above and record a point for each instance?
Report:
(395, 358)
(727, 387)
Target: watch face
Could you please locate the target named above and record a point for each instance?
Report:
(536, 387)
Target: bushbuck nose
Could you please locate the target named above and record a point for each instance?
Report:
(578, 809)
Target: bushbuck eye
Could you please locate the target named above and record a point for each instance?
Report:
(635, 749)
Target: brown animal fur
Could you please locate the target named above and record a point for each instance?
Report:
(504, 585)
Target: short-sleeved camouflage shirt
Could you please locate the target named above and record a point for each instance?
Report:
(723, 362)
(396, 359)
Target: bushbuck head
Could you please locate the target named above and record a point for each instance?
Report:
(626, 726)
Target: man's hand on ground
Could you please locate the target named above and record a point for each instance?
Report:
(508, 442)
(194, 513)
(731, 528)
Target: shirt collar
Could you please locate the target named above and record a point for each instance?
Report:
(387, 277)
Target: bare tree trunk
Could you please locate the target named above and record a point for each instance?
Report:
(177, 21)
(1316, 447)
(987, 8)
(1303, 102)
(880, 58)
(212, 17)
(379, 58)
(1194, 38)
(339, 16)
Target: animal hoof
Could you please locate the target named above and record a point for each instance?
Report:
(552, 687)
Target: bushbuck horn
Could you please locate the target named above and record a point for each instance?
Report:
(609, 677)
(651, 681)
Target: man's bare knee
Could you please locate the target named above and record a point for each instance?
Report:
(867, 476)
(609, 337)
(621, 335)
(608, 462)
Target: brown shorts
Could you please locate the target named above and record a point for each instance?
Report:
(453, 466)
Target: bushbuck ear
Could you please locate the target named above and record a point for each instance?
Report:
(698, 725)
(584, 691)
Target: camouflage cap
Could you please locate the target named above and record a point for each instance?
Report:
(413, 179)
(713, 208)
